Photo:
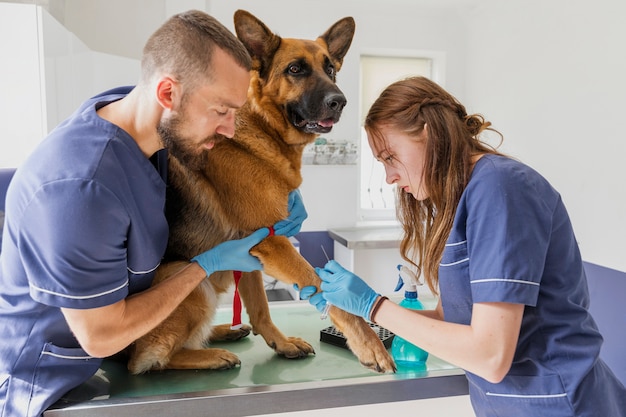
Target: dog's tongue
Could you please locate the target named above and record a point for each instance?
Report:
(326, 123)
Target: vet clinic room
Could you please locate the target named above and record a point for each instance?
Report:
(312, 206)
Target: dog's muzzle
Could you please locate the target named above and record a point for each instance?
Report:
(321, 121)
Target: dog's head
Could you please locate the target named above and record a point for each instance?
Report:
(293, 80)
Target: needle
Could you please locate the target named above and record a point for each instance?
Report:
(325, 254)
(327, 307)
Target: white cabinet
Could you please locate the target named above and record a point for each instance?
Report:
(372, 253)
(458, 406)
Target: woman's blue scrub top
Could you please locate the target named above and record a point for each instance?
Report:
(512, 241)
(84, 228)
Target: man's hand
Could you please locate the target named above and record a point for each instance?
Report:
(232, 255)
(297, 214)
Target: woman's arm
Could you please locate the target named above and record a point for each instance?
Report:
(485, 347)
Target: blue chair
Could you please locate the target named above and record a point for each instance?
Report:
(606, 289)
(5, 178)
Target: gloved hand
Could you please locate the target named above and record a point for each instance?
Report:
(309, 293)
(305, 292)
(232, 255)
(318, 301)
(345, 290)
(297, 214)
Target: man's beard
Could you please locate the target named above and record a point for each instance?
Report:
(177, 145)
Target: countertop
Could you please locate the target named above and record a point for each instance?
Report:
(368, 237)
(264, 383)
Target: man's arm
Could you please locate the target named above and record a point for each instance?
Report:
(107, 330)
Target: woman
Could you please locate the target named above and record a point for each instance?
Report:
(493, 238)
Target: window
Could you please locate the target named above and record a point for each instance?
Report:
(378, 70)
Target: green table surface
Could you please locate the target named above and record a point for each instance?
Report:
(260, 366)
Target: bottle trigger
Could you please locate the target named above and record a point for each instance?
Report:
(400, 284)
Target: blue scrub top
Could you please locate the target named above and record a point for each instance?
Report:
(512, 241)
(84, 228)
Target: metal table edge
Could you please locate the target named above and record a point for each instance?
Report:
(268, 399)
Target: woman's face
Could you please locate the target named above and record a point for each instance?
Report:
(403, 156)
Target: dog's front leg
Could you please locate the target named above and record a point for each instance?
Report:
(178, 341)
(254, 298)
(283, 262)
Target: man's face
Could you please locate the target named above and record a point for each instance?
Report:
(206, 115)
(185, 149)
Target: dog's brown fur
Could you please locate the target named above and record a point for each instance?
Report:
(245, 186)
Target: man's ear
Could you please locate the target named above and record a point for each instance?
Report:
(168, 93)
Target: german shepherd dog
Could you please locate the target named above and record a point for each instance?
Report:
(244, 186)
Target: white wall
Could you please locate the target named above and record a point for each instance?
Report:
(547, 74)
(120, 26)
(22, 121)
(46, 73)
(550, 76)
(330, 192)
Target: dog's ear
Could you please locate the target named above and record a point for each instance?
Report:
(260, 42)
(338, 39)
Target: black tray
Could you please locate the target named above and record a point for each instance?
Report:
(335, 337)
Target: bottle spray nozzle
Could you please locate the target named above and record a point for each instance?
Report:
(408, 276)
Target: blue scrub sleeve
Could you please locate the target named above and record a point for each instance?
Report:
(508, 234)
(73, 244)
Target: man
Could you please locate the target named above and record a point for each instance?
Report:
(85, 229)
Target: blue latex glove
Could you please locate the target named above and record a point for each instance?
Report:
(319, 302)
(297, 214)
(306, 292)
(232, 255)
(345, 290)
(309, 293)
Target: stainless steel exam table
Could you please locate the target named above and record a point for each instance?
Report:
(264, 383)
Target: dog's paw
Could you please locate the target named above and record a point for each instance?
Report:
(222, 359)
(223, 333)
(212, 358)
(376, 358)
(363, 341)
(293, 348)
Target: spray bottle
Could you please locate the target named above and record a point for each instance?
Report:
(404, 353)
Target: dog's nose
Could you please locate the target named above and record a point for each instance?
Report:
(336, 102)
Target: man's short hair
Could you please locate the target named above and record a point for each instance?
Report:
(183, 46)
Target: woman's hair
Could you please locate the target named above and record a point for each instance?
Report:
(410, 106)
(184, 45)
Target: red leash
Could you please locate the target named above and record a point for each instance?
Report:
(236, 303)
(237, 307)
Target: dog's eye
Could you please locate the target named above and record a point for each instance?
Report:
(330, 70)
(294, 69)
